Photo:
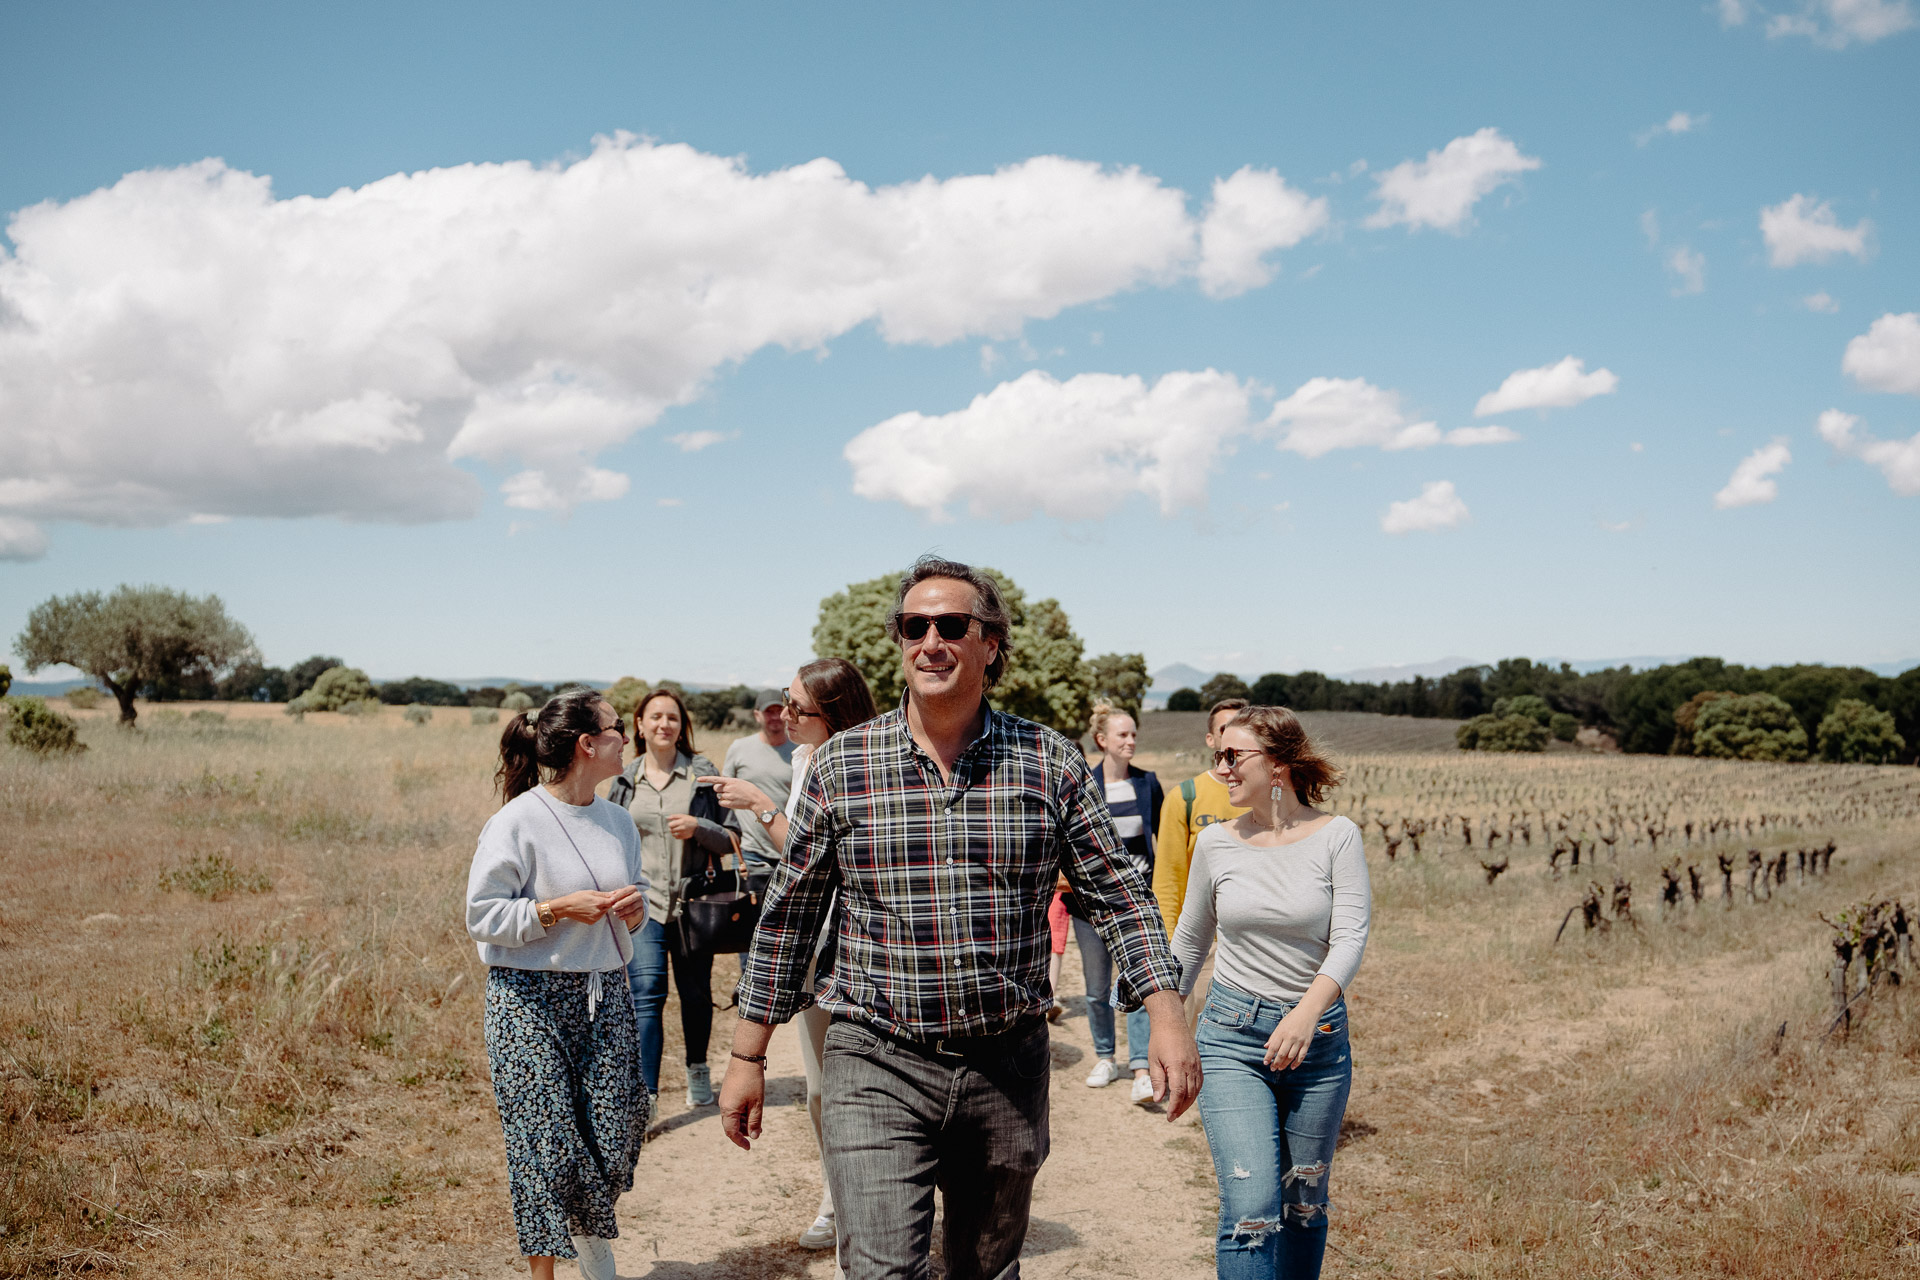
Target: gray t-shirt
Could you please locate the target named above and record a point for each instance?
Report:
(1285, 913)
(771, 770)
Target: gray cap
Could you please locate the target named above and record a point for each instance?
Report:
(769, 698)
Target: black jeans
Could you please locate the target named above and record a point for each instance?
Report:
(693, 979)
(901, 1119)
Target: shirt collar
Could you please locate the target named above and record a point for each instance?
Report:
(991, 731)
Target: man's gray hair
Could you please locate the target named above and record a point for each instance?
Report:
(989, 609)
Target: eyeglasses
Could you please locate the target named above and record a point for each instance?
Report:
(793, 709)
(951, 626)
(1232, 756)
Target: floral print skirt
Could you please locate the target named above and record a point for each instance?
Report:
(571, 1103)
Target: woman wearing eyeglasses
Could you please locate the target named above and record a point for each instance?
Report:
(681, 829)
(825, 698)
(554, 893)
(1284, 886)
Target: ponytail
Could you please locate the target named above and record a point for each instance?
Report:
(542, 742)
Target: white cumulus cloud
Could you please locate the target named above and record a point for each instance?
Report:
(1441, 190)
(1438, 507)
(1075, 449)
(1553, 386)
(1897, 460)
(1466, 436)
(1688, 267)
(1835, 24)
(1821, 302)
(1887, 356)
(1752, 480)
(183, 341)
(1253, 213)
(21, 539)
(1802, 229)
(1732, 12)
(695, 441)
(1677, 123)
(1325, 414)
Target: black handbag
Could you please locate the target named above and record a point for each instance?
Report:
(719, 910)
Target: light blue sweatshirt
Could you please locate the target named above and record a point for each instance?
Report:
(525, 857)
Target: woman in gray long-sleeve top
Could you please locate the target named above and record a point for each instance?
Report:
(681, 827)
(1284, 887)
(553, 895)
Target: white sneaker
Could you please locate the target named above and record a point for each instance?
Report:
(1142, 1090)
(699, 1085)
(819, 1235)
(596, 1258)
(1103, 1074)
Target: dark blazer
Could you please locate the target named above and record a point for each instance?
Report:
(1147, 795)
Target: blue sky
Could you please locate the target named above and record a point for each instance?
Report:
(578, 396)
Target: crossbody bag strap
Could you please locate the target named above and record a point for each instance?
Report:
(584, 863)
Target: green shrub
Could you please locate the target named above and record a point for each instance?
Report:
(361, 707)
(1184, 700)
(1855, 733)
(337, 689)
(418, 714)
(1525, 704)
(515, 701)
(6, 679)
(1563, 726)
(486, 715)
(213, 876)
(1502, 733)
(36, 727)
(1751, 726)
(624, 695)
(83, 698)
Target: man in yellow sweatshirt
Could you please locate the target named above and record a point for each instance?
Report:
(1200, 802)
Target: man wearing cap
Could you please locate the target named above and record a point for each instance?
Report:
(766, 760)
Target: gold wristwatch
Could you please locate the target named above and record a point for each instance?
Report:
(545, 911)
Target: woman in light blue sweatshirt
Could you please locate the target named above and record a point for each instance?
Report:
(1284, 886)
(555, 891)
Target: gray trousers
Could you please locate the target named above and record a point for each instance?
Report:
(901, 1120)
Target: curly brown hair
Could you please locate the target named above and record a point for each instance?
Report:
(1284, 741)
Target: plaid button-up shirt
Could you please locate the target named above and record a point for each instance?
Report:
(941, 927)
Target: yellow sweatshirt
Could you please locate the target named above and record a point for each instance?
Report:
(1173, 846)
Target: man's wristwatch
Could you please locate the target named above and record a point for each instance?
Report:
(767, 817)
(545, 911)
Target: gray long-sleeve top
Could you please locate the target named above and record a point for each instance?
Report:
(1285, 913)
(536, 848)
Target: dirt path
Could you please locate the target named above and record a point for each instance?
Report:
(1123, 1193)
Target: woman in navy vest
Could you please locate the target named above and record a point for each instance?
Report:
(1134, 797)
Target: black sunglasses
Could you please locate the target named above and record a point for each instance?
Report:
(793, 709)
(618, 726)
(1232, 756)
(951, 626)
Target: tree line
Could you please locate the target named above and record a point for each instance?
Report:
(1645, 711)
(163, 645)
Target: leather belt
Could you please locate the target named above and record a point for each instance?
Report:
(956, 1046)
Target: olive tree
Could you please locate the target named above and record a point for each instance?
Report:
(135, 637)
(1750, 726)
(1120, 680)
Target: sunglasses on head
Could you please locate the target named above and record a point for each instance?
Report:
(951, 626)
(1232, 756)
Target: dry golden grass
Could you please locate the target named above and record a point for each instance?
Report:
(240, 1023)
(240, 1020)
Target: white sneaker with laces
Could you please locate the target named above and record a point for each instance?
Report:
(1142, 1090)
(820, 1234)
(1103, 1074)
(596, 1258)
(699, 1085)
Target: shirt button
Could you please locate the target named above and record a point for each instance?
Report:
(948, 809)
(956, 910)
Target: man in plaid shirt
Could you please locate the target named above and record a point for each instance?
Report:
(942, 827)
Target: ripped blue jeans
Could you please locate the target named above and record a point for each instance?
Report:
(1272, 1135)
